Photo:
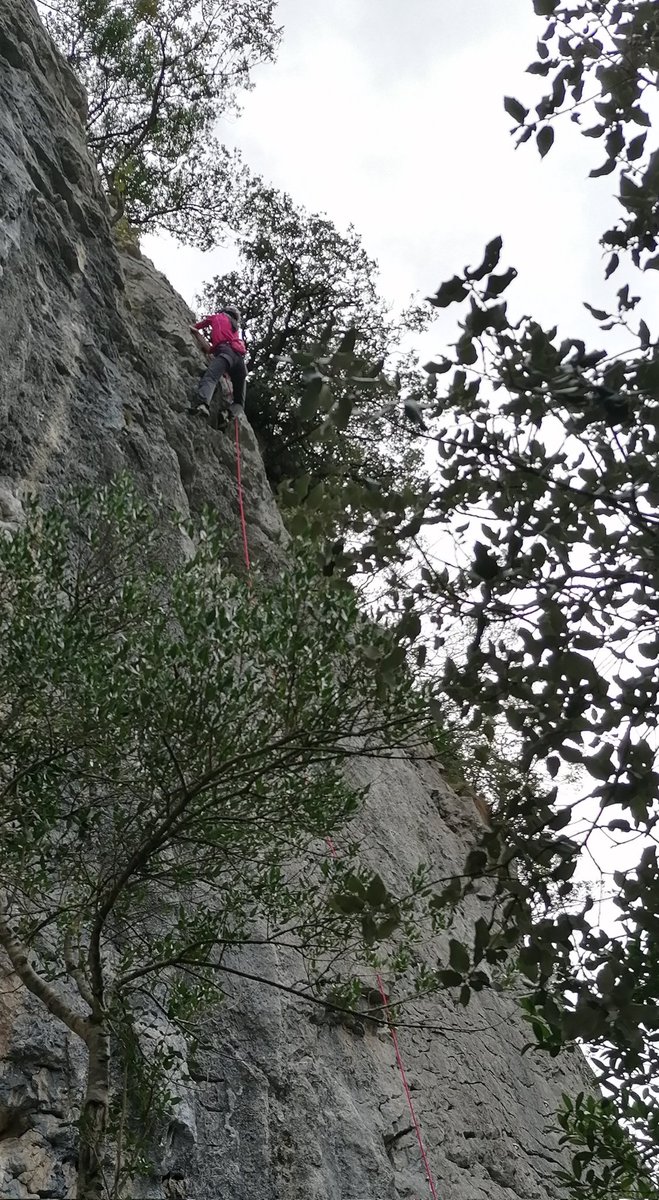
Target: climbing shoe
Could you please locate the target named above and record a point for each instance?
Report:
(201, 409)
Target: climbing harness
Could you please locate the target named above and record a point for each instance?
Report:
(333, 852)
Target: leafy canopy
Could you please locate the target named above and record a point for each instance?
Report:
(602, 60)
(159, 74)
(173, 744)
(543, 510)
(320, 394)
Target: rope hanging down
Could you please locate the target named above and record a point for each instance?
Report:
(333, 851)
(406, 1087)
(401, 1066)
(241, 502)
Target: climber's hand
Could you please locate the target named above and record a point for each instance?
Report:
(200, 340)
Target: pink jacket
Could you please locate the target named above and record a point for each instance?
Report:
(222, 331)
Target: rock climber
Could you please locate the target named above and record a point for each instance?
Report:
(227, 352)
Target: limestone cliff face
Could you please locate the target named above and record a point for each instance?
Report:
(95, 367)
(97, 361)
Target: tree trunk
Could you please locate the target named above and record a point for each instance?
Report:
(94, 1115)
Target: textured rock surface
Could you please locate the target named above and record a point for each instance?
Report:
(95, 366)
(97, 360)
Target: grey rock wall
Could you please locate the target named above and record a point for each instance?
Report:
(281, 1103)
(316, 1110)
(97, 363)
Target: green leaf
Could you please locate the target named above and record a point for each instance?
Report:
(346, 904)
(313, 398)
(476, 862)
(636, 146)
(599, 765)
(515, 110)
(394, 660)
(490, 259)
(482, 936)
(647, 377)
(545, 140)
(369, 929)
(465, 351)
(438, 368)
(348, 342)
(538, 68)
(607, 168)
(376, 893)
(598, 313)
(450, 292)
(344, 410)
(497, 284)
(459, 960)
(449, 979)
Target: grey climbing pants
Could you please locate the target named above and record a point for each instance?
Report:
(225, 361)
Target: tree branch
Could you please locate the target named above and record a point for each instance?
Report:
(44, 991)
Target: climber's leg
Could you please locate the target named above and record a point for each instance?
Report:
(238, 372)
(226, 389)
(217, 367)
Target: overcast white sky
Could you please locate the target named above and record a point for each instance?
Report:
(389, 115)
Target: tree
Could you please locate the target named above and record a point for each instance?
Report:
(546, 493)
(319, 393)
(170, 766)
(604, 56)
(158, 75)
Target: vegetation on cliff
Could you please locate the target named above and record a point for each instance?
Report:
(535, 531)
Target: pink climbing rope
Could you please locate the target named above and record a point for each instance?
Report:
(408, 1094)
(241, 502)
(333, 851)
(401, 1066)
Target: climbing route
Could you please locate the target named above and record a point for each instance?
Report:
(333, 852)
(400, 1064)
(406, 1089)
(241, 500)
